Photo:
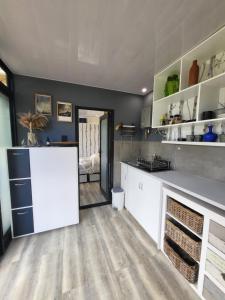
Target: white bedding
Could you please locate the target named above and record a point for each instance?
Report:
(89, 165)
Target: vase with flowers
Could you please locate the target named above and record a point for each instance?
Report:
(32, 122)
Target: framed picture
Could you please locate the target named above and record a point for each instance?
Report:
(43, 104)
(64, 111)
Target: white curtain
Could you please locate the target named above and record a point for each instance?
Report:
(88, 139)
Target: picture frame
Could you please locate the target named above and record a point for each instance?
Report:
(43, 104)
(64, 111)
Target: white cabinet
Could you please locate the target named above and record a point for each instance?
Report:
(124, 168)
(54, 180)
(146, 117)
(143, 201)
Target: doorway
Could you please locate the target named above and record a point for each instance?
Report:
(94, 130)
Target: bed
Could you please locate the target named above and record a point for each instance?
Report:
(89, 168)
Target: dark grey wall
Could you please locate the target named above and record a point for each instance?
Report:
(127, 106)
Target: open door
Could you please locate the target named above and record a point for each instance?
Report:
(100, 187)
(105, 159)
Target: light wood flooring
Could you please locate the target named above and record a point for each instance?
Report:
(107, 256)
(90, 193)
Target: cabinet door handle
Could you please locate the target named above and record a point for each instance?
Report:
(223, 275)
(17, 154)
(22, 213)
(19, 184)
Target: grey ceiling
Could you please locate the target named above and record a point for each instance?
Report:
(114, 44)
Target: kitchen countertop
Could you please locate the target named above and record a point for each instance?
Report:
(208, 190)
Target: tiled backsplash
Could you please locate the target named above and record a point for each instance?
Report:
(200, 160)
(123, 151)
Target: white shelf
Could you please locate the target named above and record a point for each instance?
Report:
(175, 125)
(209, 92)
(200, 122)
(216, 81)
(159, 84)
(212, 144)
(178, 221)
(187, 93)
(215, 282)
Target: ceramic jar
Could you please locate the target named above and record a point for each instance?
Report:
(193, 73)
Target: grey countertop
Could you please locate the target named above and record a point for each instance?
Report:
(207, 190)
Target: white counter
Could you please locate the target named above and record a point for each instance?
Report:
(207, 190)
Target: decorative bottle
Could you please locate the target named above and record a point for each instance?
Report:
(193, 73)
(175, 83)
(210, 136)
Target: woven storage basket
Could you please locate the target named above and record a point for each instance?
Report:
(187, 216)
(182, 262)
(187, 241)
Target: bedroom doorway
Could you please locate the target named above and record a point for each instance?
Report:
(94, 131)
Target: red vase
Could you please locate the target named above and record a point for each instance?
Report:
(193, 73)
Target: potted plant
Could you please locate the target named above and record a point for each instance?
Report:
(32, 122)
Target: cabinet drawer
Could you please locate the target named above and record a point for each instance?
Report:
(18, 163)
(215, 266)
(217, 236)
(211, 291)
(20, 193)
(23, 221)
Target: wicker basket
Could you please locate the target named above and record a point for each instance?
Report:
(185, 239)
(182, 262)
(186, 215)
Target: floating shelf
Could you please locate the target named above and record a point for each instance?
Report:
(212, 144)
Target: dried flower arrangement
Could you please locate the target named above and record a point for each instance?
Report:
(32, 122)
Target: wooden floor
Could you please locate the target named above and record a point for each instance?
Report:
(107, 256)
(90, 193)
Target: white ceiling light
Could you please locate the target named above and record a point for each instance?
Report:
(144, 90)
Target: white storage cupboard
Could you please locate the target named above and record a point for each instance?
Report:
(143, 199)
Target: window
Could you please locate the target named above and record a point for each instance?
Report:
(3, 77)
(5, 141)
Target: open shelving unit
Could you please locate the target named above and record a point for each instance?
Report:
(210, 281)
(204, 96)
(166, 215)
